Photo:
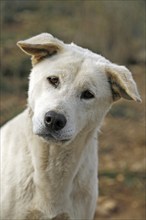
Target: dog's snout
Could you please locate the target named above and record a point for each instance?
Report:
(54, 121)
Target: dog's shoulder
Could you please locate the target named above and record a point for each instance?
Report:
(15, 122)
(14, 129)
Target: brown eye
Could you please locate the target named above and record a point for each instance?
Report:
(87, 95)
(53, 80)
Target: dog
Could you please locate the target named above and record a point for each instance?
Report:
(49, 151)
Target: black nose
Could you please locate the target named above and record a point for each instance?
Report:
(54, 121)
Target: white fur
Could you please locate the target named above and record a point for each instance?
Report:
(45, 178)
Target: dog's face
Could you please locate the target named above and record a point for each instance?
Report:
(71, 88)
(66, 97)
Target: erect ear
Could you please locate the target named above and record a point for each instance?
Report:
(122, 82)
(40, 46)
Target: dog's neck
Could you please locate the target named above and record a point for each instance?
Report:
(56, 167)
(58, 162)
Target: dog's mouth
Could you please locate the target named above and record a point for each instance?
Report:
(53, 137)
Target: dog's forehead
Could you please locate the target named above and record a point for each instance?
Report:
(75, 63)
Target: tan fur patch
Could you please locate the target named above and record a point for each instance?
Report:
(34, 215)
(62, 216)
(37, 215)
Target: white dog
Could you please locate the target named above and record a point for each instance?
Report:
(49, 152)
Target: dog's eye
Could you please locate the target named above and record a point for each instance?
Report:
(53, 80)
(87, 95)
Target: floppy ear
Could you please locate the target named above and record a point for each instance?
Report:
(122, 82)
(40, 46)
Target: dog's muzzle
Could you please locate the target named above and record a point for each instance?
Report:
(54, 128)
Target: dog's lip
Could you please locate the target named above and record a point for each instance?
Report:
(52, 137)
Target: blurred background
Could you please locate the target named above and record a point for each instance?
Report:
(116, 30)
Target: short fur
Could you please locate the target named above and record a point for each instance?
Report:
(56, 178)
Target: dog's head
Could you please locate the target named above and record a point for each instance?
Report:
(71, 88)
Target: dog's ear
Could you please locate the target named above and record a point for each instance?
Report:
(121, 82)
(41, 46)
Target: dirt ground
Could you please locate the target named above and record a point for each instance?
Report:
(122, 159)
(122, 155)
